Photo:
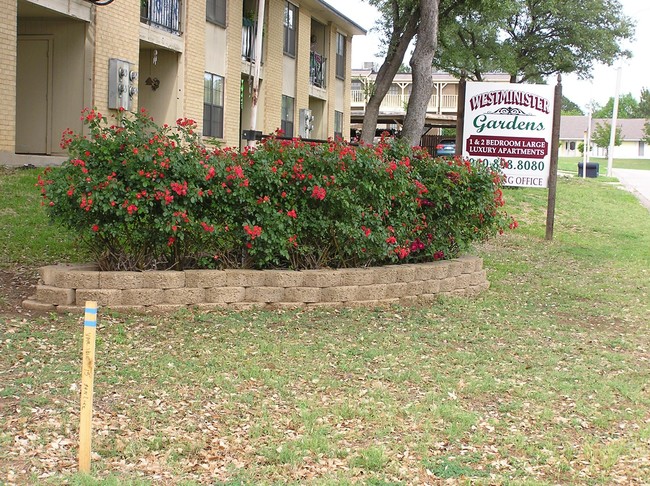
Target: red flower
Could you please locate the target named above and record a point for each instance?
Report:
(292, 214)
(402, 252)
(95, 228)
(417, 245)
(180, 189)
(253, 232)
(453, 177)
(318, 193)
(207, 227)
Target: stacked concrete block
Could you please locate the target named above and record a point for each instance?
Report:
(66, 288)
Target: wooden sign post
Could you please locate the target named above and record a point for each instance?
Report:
(87, 378)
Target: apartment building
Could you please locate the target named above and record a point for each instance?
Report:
(174, 58)
(442, 107)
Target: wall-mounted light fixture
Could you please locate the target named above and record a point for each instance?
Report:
(153, 82)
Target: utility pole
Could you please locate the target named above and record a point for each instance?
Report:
(612, 135)
(259, 29)
(588, 145)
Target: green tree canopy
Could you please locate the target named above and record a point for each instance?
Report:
(532, 39)
(603, 132)
(398, 25)
(644, 112)
(644, 103)
(570, 108)
(628, 107)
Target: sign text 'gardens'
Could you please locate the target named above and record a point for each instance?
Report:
(508, 127)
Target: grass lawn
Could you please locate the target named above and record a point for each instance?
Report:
(570, 164)
(542, 379)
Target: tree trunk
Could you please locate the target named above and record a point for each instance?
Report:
(421, 61)
(396, 51)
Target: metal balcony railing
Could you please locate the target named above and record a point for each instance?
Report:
(164, 14)
(317, 69)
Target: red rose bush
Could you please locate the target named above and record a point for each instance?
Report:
(143, 196)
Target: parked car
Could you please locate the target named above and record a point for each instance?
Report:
(446, 147)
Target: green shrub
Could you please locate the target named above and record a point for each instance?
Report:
(143, 196)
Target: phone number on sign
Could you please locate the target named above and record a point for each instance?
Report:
(511, 165)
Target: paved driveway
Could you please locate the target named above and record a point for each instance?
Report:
(637, 182)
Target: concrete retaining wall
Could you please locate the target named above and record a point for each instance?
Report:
(66, 288)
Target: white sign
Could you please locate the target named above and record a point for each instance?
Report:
(509, 126)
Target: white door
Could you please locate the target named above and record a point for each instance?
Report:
(33, 95)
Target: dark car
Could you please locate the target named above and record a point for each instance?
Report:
(446, 147)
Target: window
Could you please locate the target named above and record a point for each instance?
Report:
(212, 105)
(340, 56)
(641, 148)
(215, 12)
(338, 125)
(290, 25)
(286, 124)
(572, 145)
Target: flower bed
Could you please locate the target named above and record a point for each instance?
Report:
(145, 197)
(66, 288)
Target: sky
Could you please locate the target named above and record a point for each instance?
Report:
(635, 72)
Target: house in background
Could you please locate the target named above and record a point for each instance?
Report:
(174, 58)
(573, 132)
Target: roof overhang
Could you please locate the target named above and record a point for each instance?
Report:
(331, 14)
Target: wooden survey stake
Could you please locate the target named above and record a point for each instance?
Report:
(87, 377)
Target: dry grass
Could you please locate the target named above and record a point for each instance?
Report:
(543, 379)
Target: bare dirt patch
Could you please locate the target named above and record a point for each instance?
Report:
(16, 285)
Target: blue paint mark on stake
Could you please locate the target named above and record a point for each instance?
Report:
(90, 317)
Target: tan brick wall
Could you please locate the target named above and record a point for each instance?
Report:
(331, 79)
(233, 74)
(273, 64)
(348, 88)
(117, 35)
(302, 63)
(193, 60)
(8, 41)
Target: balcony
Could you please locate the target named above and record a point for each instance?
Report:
(164, 14)
(449, 103)
(397, 103)
(317, 71)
